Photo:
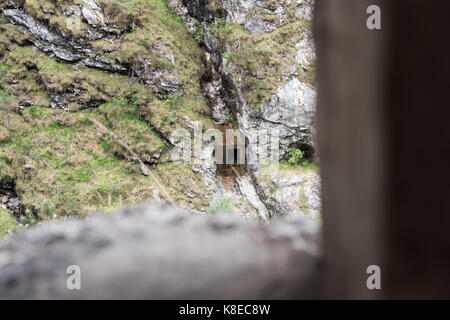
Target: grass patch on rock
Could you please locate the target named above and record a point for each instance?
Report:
(8, 225)
(58, 159)
(262, 63)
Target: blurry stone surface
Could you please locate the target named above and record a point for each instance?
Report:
(156, 252)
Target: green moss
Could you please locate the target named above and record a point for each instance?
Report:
(223, 204)
(10, 35)
(104, 46)
(306, 166)
(67, 162)
(4, 68)
(37, 8)
(260, 62)
(8, 225)
(64, 24)
(168, 115)
(123, 119)
(156, 25)
(70, 169)
(181, 183)
(302, 203)
(296, 156)
(271, 171)
(308, 172)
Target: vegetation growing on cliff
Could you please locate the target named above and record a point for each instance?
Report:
(77, 129)
(261, 63)
(57, 158)
(8, 225)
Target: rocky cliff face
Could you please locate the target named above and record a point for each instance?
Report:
(132, 67)
(268, 53)
(92, 90)
(264, 53)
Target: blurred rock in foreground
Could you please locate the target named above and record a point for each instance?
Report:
(153, 252)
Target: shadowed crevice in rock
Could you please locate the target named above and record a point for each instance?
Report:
(10, 200)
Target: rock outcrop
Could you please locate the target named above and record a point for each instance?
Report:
(161, 253)
(73, 39)
(10, 201)
(291, 191)
(66, 65)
